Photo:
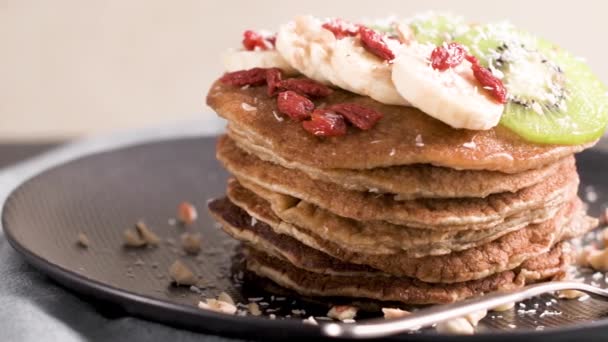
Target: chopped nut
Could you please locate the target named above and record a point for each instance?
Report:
(146, 234)
(140, 236)
(475, 317)
(186, 213)
(191, 242)
(570, 294)
(83, 240)
(132, 239)
(394, 313)
(254, 309)
(504, 307)
(605, 237)
(181, 274)
(218, 306)
(310, 320)
(224, 297)
(582, 257)
(604, 218)
(460, 326)
(342, 312)
(599, 260)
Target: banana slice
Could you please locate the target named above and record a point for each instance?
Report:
(307, 47)
(453, 96)
(243, 60)
(361, 72)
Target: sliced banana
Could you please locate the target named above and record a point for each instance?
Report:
(243, 60)
(363, 73)
(307, 47)
(453, 96)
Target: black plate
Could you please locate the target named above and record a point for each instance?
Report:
(103, 194)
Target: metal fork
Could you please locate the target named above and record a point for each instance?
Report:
(439, 313)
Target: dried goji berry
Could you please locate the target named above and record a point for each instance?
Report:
(325, 123)
(341, 28)
(273, 80)
(447, 56)
(252, 40)
(374, 42)
(360, 116)
(252, 77)
(490, 82)
(306, 86)
(294, 105)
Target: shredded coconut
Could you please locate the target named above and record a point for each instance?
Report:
(247, 107)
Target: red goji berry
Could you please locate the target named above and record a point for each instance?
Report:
(445, 57)
(374, 42)
(306, 86)
(325, 123)
(360, 116)
(341, 28)
(490, 82)
(294, 105)
(273, 80)
(252, 77)
(252, 40)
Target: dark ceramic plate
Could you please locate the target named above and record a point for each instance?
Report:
(103, 194)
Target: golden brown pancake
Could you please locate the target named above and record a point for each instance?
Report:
(504, 253)
(373, 237)
(405, 182)
(406, 290)
(391, 142)
(455, 213)
(243, 227)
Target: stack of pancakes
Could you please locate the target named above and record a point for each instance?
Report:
(411, 210)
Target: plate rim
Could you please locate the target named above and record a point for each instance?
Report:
(74, 282)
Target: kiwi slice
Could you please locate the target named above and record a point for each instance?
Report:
(553, 97)
(436, 28)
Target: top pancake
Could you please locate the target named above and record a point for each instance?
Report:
(391, 142)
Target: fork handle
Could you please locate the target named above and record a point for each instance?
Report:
(439, 313)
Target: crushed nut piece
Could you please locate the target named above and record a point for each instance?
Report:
(460, 326)
(83, 240)
(181, 274)
(570, 294)
(342, 312)
(140, 236)
(604, 218)
(582, 257)
(254, 309)
(599, 260)
(218, 306)
(475, 317)
(605, 237)
(186, 213)
(191, 242)
(504, 307)
(310, 320)
(133, 239)
(394, 313)
(224, 297)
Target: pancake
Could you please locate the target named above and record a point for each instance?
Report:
(452, 213)
(405, 290)
(258, 234)
(372, 237)
(405, 182)
(394, 137)
(504, 253)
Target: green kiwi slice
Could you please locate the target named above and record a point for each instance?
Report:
(553, 97)
(436, 28)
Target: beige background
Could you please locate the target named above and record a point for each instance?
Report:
(76, 67)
